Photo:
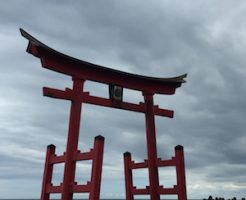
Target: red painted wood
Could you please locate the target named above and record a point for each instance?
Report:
(71, 68)
(54, 189)
(84, 156)
(166, 163)
(168, 191)
(151, 147)
(81, 188)
(97, 168)
(128, 176)
(134, 165)
(72, 153)
(72, 142)
(57, 159)
(140, 191)
(177, 161)
(180, 171)
(48, 170)
(59, 62)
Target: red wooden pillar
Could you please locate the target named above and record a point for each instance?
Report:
(97, 168)
(48, 170)
(180, 171)
(151, 147)
(72, 140)
(128, 175)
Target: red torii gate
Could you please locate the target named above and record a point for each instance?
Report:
(80, 71)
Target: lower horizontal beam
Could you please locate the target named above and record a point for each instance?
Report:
(81, 188)
(167, 163)
(84, 156)
(134, 165)
(53, 189)
(139, 191)
(173, 190)
(57, 159)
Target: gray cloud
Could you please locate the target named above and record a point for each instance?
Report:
(161, 38)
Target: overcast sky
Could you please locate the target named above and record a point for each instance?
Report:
(206, 39)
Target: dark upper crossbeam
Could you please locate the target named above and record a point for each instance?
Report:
(59, 62)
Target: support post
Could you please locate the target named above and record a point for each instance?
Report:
(151, 147)
(180, 171)
(48, 170)
(72, 141)
(128, 175)
(96, 168)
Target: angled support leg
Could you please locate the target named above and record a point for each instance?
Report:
(180, 171)
(128, 175)
(48, 170)
(97, 168)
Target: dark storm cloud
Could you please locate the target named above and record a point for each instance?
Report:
(162, 38)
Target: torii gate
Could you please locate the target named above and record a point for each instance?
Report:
(80, 71)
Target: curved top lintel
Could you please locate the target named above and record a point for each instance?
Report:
(68, 65)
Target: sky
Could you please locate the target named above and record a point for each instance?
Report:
(161, 38)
